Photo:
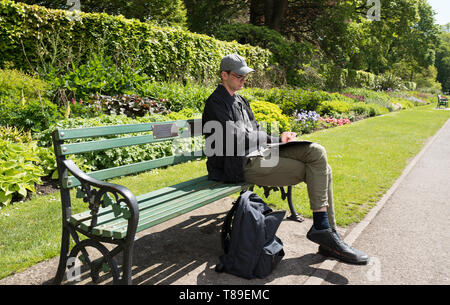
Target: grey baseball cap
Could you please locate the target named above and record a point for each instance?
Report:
(235, 63)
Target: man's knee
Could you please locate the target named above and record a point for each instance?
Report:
(318, 151)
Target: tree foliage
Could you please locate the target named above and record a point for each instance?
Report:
(443, 61)
(402, 42)
(206, 16)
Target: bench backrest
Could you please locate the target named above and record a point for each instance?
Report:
(156, 132)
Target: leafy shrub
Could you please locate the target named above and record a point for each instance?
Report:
(14, 134)
(290, 100)
(426, 80)
(355, 97)
(100, 75)
(34, 115)
(129, 105)
(19, 169)
(47, 161)
(419, 98)
(372, 97)
(15, 85)
(410, 85)
(185, 114)
(178, 96)
(334, 107)
(308, 76)
(171, 12)
(402, 103)
(338, 78)
(389, 81)
(361, 108)
(24, 101)
(305, 121)
(268, 113)
(369, 110)
(361, 79)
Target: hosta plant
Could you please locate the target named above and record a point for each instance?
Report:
(19, 170)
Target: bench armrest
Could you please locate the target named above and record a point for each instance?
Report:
(100, 196)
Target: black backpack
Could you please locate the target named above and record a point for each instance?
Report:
(250, 246)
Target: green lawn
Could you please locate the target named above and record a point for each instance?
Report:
(366, 157)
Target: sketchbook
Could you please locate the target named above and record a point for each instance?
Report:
(270, 145)
(264, 150)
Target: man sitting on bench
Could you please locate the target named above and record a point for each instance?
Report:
(229, 124)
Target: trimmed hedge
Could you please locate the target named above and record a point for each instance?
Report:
(165, 53)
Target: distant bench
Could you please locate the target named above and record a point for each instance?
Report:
(442, 101)
(115, 214)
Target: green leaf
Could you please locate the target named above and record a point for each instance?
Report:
(5, 199)
(22, 190)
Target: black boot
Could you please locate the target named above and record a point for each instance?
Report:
(331, 244)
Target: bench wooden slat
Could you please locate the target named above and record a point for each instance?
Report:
(196, 203)
(150, 207)
(160, 210)
(88, 146)
(77, 148)
(179, 210)
(100, 131)
(146, 201)
(171, 188)
(119, 171)
(80, 217)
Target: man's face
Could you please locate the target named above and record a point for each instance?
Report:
(233, 81)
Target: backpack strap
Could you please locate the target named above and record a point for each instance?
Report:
(225, 233)
(227, 223)
(226, 227)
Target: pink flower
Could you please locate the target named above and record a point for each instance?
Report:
(73, 101)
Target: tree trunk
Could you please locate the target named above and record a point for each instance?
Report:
(268, 12)
(257, 12)
(277, 12)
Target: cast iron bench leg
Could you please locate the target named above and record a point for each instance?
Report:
(294, 215)
(65, 244)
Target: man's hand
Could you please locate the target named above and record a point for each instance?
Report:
(288, 136)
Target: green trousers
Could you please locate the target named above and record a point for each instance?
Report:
(302, 162)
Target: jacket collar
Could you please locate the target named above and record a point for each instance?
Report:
(223, 93)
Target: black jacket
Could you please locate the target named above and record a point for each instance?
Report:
(240, 135)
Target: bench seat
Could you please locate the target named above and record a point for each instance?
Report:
(156, 207)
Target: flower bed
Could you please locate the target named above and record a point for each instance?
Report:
(327, 122)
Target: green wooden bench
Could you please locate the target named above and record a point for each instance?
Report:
(442, 101)
(115, 214)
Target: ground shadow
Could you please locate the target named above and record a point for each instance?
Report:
(176, 254)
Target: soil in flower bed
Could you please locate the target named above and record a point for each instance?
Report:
(48, 186)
